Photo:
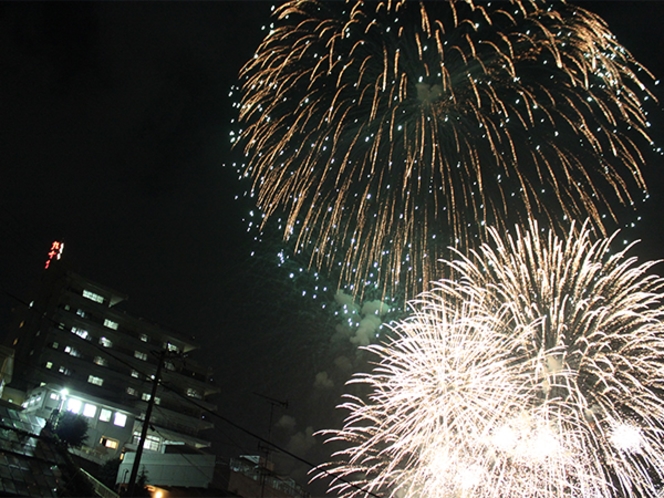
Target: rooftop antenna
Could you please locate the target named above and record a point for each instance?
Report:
(267, 448)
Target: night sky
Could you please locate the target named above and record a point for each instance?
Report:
(114, 124)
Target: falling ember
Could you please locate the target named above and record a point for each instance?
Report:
(384, 131)
(535, 372)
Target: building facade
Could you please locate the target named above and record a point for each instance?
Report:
(110, 426)
(76, 351)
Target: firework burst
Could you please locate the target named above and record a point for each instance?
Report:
(537, 371)
(383, 132)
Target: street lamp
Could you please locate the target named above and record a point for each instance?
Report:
(64, 392)
(53, 419)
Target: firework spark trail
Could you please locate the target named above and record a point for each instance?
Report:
(384, 131)
(537, 371)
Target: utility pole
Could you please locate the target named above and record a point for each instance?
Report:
(146, 425)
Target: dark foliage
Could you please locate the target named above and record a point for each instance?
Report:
(71, 429)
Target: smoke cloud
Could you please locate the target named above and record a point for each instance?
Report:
(323, 381)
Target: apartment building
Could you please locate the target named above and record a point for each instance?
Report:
(76, 350)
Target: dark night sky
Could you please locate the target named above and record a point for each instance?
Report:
(114, 121)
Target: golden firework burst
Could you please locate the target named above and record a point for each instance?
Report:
(384, 132)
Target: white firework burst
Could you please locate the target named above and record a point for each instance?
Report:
(536, 371)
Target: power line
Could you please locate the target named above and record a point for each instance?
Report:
(311, 465)
(143, 376)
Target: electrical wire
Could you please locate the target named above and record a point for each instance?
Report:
(312, 466)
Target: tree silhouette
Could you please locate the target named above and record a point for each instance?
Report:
(71, 429)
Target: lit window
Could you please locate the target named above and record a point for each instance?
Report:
(81, 332)
(110, 324)
(93, 296)
(105, 415)
(100, 361)
(151, 442)
(134, 374)
(120, 419)
(97, 381)
(144, 338)
(194, 393)
(72, 351)
(55, 345)
(54, 396)
(89, 410)
(131, 391)
(74, 405)
(109, 443)
(171, 347)
(64, 370)
(107, 343)
(49, 365)
(146, 397)
(81, 313)
(157, 400)
(169, 366)
(140, 355)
